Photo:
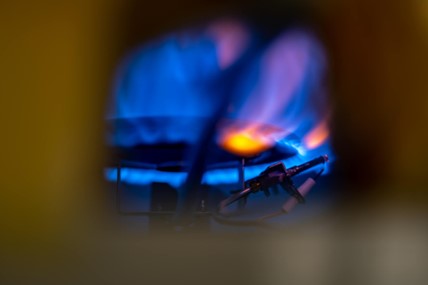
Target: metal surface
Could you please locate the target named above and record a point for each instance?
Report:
(275, 174)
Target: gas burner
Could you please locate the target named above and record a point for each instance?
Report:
(164, 203)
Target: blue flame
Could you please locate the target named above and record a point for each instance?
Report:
(284, 86)
(165, 90)
(177, 76)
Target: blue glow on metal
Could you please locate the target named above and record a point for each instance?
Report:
(144, 176)
(211, 177)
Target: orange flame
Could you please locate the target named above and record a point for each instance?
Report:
(245, 144)
(317, 136)
(248, 141)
